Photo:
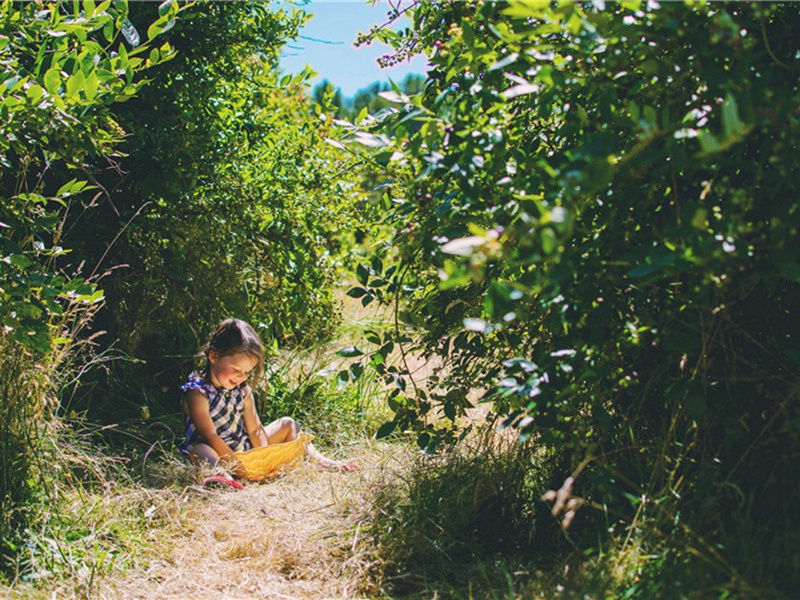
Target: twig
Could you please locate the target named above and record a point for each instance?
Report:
(355, 537)
(116, 237)
(769, 49)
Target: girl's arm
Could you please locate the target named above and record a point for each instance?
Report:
(196, 406)
(256, 433)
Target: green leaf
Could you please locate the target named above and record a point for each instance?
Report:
(342, 379)
(699, 220)
(423, 439)
(18, 260)
(386, 429)
(377, 265)
(708, 143)
(362, 274)
(355, 370)
(52, 81)
(167, 8)
(549, 240)
(73, 186)
(649, 114)
(129, 33)
(90, 85)
(356, 292)
(731, 123)
(75, 84)
(34, 93)
(108, 31)
(158, 26)
(372, 337)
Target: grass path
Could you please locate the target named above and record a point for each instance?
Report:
(303, 535)
(300, 536)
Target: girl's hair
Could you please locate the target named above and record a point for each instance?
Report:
(233, 336)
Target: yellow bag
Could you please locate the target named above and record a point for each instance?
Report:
(267, 461)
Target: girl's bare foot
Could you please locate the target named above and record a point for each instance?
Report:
(335, 465)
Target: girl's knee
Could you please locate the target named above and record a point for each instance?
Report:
(202, 453)
(289, 424)
(281, 430)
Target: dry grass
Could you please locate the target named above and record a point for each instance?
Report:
(300, 536)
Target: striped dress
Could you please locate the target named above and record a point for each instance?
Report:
(227, 413)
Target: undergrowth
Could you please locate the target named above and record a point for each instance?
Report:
(467, 522)
(462, 522)
(470, 522)
(24, 443)
(95, 519)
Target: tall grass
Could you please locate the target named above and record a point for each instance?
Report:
(37, 452)
(303, 385)
(464, 521)
(25, 444)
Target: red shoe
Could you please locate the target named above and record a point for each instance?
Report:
(224, 481)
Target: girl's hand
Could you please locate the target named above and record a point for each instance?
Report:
(231, 463)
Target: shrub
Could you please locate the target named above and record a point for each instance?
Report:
(595, 222)
(463, 518)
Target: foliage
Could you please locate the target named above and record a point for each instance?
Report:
(300, 385)
(458, 519)
(371, 99)
(63, 68)
(594, 224)
(22, 440)
(99, 519)
(232, 204)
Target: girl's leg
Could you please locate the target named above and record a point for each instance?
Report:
(203, 453)
(284, 429)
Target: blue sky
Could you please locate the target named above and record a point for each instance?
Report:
(327, 45)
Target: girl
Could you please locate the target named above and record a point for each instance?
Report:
(218, 405)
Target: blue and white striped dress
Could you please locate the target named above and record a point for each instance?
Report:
(227, 413)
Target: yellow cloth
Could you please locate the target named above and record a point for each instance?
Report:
(267, 461)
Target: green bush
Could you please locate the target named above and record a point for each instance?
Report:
(595, 222)
(24, 444)
(232, 204)
(63, 67)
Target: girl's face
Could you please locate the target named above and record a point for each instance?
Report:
(227, 372)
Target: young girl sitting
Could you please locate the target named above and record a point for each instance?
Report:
(218, 404)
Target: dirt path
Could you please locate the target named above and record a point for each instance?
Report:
(300, 536)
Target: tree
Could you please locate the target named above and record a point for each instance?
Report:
(65, 69)
(229, 204)
(594, 222)
(326, 94)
